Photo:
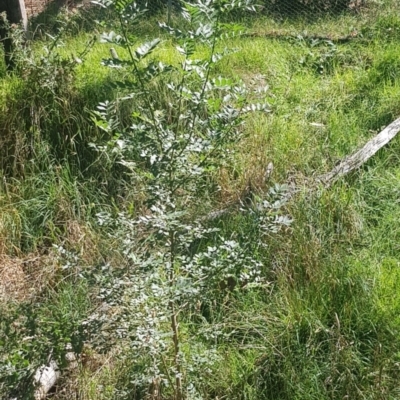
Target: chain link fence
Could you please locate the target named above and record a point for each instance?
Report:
(282, 8)
(309, 7)
(298, 13)
(343, 18)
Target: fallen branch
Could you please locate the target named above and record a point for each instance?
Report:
(282, 35)
(358, 158)
(347, 165)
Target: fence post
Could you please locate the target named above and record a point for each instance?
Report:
(23, 15)
(14, 13)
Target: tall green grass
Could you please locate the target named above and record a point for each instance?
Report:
(325, 325)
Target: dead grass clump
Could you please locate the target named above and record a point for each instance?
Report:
(22, 278)
(12, 279)
(250, 175)
(83, 241)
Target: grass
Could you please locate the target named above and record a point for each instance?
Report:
(326, 325)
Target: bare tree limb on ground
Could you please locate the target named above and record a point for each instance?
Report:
(358, 158)
(347, 165)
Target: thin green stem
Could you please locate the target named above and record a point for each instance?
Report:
(207, 77)
(149, 106)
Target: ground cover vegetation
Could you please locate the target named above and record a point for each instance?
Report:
(143, 228)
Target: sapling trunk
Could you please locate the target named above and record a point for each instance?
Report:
(174, 321)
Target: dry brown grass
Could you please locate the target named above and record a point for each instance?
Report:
(13, 280)
(23, 278)
(93, 378)
(82, 240)
(248, 176)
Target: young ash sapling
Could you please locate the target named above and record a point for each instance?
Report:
(183, 125)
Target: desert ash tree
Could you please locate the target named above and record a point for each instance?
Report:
(183, 125)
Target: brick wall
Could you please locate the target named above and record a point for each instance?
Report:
(34, 7)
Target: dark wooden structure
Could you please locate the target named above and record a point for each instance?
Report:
(13, 12)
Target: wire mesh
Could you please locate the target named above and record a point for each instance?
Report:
(283, 8)
(294, 17)
(47, 11)
(310, 8)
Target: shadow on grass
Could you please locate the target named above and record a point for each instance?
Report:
(61, 123)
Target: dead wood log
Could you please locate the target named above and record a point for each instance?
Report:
(285, 35)
(358, 158)
(347, 165)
